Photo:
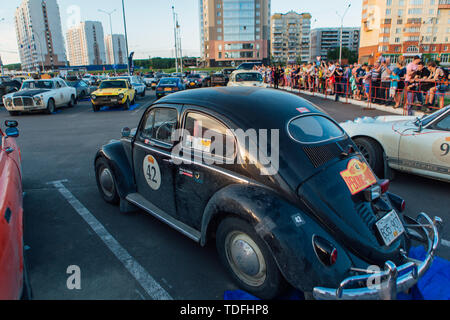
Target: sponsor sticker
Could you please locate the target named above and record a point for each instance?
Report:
(152, 172)
(441, 149)
(303, 110)
(358, 176)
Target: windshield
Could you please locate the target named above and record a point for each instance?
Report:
(314, 129)
(41, 84)
(168, 81)
(426, 120)
(73, 83)
(194, 76)
(113, 85)
(251, 76)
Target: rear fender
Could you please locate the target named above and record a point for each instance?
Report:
(120, 164)
(285, 228)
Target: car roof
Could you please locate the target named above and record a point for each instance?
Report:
(240, 105)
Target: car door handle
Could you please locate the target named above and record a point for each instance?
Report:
(168, 161)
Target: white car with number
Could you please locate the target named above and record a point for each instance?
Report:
(416, 145)
(136, 83)
(246, 78)
(45, 95)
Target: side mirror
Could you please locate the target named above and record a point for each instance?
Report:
(12, 132)
(126, 132)
(11, 123)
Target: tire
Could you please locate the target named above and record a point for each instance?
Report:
(262, 277)
(106, 182)
(50, 107)
(126, 105)
(72, 102)
(143, 94)
(373, 153)
(95, 108)
(14, 113)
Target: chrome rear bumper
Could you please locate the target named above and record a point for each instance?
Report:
(392, 279)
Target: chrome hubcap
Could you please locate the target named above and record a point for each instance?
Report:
(245, 258)
(106, 182)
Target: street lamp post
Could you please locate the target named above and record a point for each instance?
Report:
(113, 60)
(1, 62)
(175, 34)
(126, 36)
(342, 27)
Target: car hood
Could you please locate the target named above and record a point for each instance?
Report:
(28, 93)
(349, 218)
(109, 92)
(381, 120)
(249, 84)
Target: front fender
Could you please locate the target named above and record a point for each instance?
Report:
(116, 156)
(289, 241)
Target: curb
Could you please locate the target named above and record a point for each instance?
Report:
(362, 104)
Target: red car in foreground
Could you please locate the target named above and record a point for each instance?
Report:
(13, 277)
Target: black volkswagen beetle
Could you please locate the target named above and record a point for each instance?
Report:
(277, 184)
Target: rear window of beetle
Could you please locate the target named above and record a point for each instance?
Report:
(314, 129)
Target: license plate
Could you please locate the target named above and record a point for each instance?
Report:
(167, 89)
(390, 227)
(192, 84)
(114, 100)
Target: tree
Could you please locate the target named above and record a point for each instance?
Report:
(347, 54)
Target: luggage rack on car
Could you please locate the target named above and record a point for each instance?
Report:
(397, 278)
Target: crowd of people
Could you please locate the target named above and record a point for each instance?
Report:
(416, 85)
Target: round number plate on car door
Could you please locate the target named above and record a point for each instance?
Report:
(152, 173)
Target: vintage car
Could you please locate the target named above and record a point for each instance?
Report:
(14, 283)
(136, 83)
(244, 78)
(278, 186)
(40, 95)
(83, 88)
(169, 85)
(8, 85)
(194, 81)
(148, 79)
(113, 93)
(218, 80)
(416, 145)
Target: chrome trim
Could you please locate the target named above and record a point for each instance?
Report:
(395, 283)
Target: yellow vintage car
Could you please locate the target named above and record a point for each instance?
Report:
(113, 93)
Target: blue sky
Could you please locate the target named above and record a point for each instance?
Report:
(149, 22)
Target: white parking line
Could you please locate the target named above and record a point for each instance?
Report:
(148, 283)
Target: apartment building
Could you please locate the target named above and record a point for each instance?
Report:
(86, 44)
(39, 35)
(234, 31)
(325, 39)
(394, 28)
(290, 37)
(116, 52)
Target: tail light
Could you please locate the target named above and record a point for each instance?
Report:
(384, 186)
(175, 89)
(325, 251)
(159, 89)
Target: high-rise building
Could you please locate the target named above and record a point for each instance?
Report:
(39, 35)
(86, 44)
(116, 52)
(289, 38)
(394, 28)
(234, 31)
(325, 39)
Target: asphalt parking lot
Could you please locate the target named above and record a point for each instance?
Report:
(62, 146)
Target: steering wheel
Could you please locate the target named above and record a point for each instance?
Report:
(164, 124)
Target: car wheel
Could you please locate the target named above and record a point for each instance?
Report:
(373, 153)
(72, 102)
(248, 259)
(50, 107)
(95, 108)
(126, 105)
(143, 94)
(14, 113)
(106, 182)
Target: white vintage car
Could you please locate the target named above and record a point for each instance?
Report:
(246, 78)
(416, 145)
(44, 95)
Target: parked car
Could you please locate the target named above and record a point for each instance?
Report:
(8, 85)
(136, 82)
(416, 145)
(249, 65)
(169, 85)
(114, 92)
(14, 282)
(83, 89)
(312, 214)
(218, 80)
(227, 72)
(40, 95)
(244, 78)
(194, 81)
(148, 79)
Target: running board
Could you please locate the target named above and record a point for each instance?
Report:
(141, 202)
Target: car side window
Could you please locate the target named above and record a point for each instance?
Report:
(57, 85)
(208, 135)
(444, 124)
(159, 125)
